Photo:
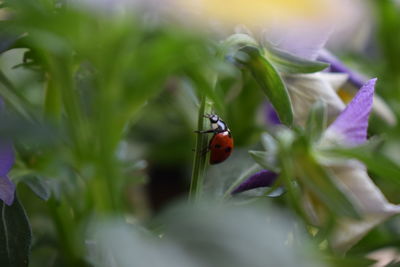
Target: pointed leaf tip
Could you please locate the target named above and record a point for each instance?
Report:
(270, 82)
(262, 178)
(352, 122)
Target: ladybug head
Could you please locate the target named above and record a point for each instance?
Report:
(213, 118)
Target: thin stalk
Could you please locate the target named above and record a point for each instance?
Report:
(52, 100)
(62, 75)
(109, 129)
(66, 231)
(200, 157)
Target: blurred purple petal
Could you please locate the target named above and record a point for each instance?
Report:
(6, 158)
(304, 42)
(263, 178)
(352, 123)
(7, 40)
(270, 115)
(337, 66)
(7, 190)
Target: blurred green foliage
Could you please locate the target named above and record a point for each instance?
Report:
(102, 106)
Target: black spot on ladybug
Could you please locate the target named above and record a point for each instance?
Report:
(217, 146)
(228, 149)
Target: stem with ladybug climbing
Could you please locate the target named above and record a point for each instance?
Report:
(200, 158)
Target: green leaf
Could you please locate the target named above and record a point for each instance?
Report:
(266, 160)
(269, 81)
(320, 181)
(288, 63)
(317, 120)
(348, 261)
(269, 143)
(38, 185)
(15, 235)
(285, 138)
(235, 42)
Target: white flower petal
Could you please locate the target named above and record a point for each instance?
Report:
(349, 129)
(350, 231)
(384, 256)
(336, 80)
(306, 89)
(367, 198)
(359, 187)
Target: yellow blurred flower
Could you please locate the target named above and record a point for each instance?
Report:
(263, 12)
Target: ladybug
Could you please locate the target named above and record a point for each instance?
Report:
(221, 144)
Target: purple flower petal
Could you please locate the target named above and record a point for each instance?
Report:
(7, 190)
(263, 178)
(270, 115)
(6, 157)
(7, 40)
(352, 123)
(337, 66)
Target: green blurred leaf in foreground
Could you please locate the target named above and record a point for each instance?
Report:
(205, 234)
(15, 235)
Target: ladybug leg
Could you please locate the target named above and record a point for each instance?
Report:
(206, 131)
(203, 151)
(211, 131)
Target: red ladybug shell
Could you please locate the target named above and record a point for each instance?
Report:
(221, 146)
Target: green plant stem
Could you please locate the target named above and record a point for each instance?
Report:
(62, 75)
(200, 157)
(62, 71)
(66, 231)
(52, 100)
